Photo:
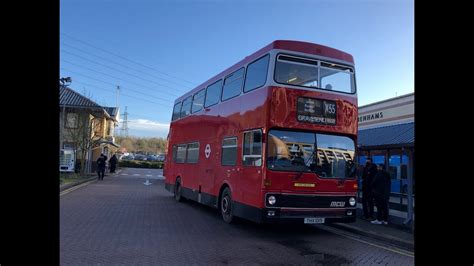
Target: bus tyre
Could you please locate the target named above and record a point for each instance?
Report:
(177, 191)
(226, 206)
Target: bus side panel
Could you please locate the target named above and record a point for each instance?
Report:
(250, 183)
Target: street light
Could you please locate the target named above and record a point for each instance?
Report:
(65, 80)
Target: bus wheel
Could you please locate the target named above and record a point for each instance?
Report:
(177, 191)
(226, 206)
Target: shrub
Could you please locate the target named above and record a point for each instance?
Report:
(141, 164)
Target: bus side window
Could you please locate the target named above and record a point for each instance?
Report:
(176, 111)
(252, 153)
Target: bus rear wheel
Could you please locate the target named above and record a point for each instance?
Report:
(226, 206)
(177, 191)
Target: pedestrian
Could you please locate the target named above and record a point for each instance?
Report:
(101, 166)
(381, 192)
(368, 175)
(113, 163)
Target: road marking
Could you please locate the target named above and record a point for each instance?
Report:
(75, 187)
(123, 174)
(347, 235)
(148, 175)
(136, 174)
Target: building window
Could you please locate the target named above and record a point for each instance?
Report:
(256, 74)
(229, 151)
(252, 154)
(72, 120)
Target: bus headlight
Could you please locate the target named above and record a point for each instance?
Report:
(352, 201)
(271, 200)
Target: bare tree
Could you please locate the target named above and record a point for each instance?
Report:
(83, 129)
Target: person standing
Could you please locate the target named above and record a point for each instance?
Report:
(113, 163)
(381, 192)
(368, 175)
(101, 166)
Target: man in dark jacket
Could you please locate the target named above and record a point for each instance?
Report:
(101, 167)
(368, 175)
(113, 163)
(381, 192)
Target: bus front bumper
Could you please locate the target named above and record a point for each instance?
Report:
(294, 215)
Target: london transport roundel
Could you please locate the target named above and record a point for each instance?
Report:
(207, 151)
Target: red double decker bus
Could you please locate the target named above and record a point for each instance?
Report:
(272, 138)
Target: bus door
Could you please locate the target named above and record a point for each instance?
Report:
(251, 178)
(207, 171)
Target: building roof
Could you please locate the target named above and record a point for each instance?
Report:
(388, 100)
(112, 111)
(69, 97)
(400, 135)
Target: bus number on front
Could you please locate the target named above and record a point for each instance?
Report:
(330, 108)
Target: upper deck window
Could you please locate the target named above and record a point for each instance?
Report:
(233, 84)
(198, 101)
(213, 93)
(256, 74)
(186, 108)
(336, 77)
(176, 111)
(306, 72)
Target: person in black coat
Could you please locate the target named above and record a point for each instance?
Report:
(381, 192)
(368, 175)
(113, 163)
(101, 167)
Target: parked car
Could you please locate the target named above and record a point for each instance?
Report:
(161, 158)
(152, 158)
(127, 157)
(140, 157)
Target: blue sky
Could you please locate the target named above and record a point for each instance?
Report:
(157, 50)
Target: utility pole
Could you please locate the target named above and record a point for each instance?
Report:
(117, 97)
(124, 129)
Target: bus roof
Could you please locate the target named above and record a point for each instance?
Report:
(296, 46)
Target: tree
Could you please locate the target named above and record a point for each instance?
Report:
(81, 129)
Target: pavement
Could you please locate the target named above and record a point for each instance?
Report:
(123, 221)
(393, 234)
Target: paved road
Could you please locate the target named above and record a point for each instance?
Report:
(121, 221)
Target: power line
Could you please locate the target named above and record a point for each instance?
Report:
(136, 91)
(126, 95)
(93, 70)
(128, 67)
(118, 70)
(124, 58)
(142, 116)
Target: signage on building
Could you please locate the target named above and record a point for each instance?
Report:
(369, 117)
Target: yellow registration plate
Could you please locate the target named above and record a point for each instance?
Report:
(304, 185)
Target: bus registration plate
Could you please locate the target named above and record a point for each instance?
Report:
(316, 220)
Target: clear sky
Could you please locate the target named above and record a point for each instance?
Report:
(156, 50)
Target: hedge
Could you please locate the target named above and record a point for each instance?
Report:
(141, 164)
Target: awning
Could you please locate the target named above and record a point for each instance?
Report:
(402, 135)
